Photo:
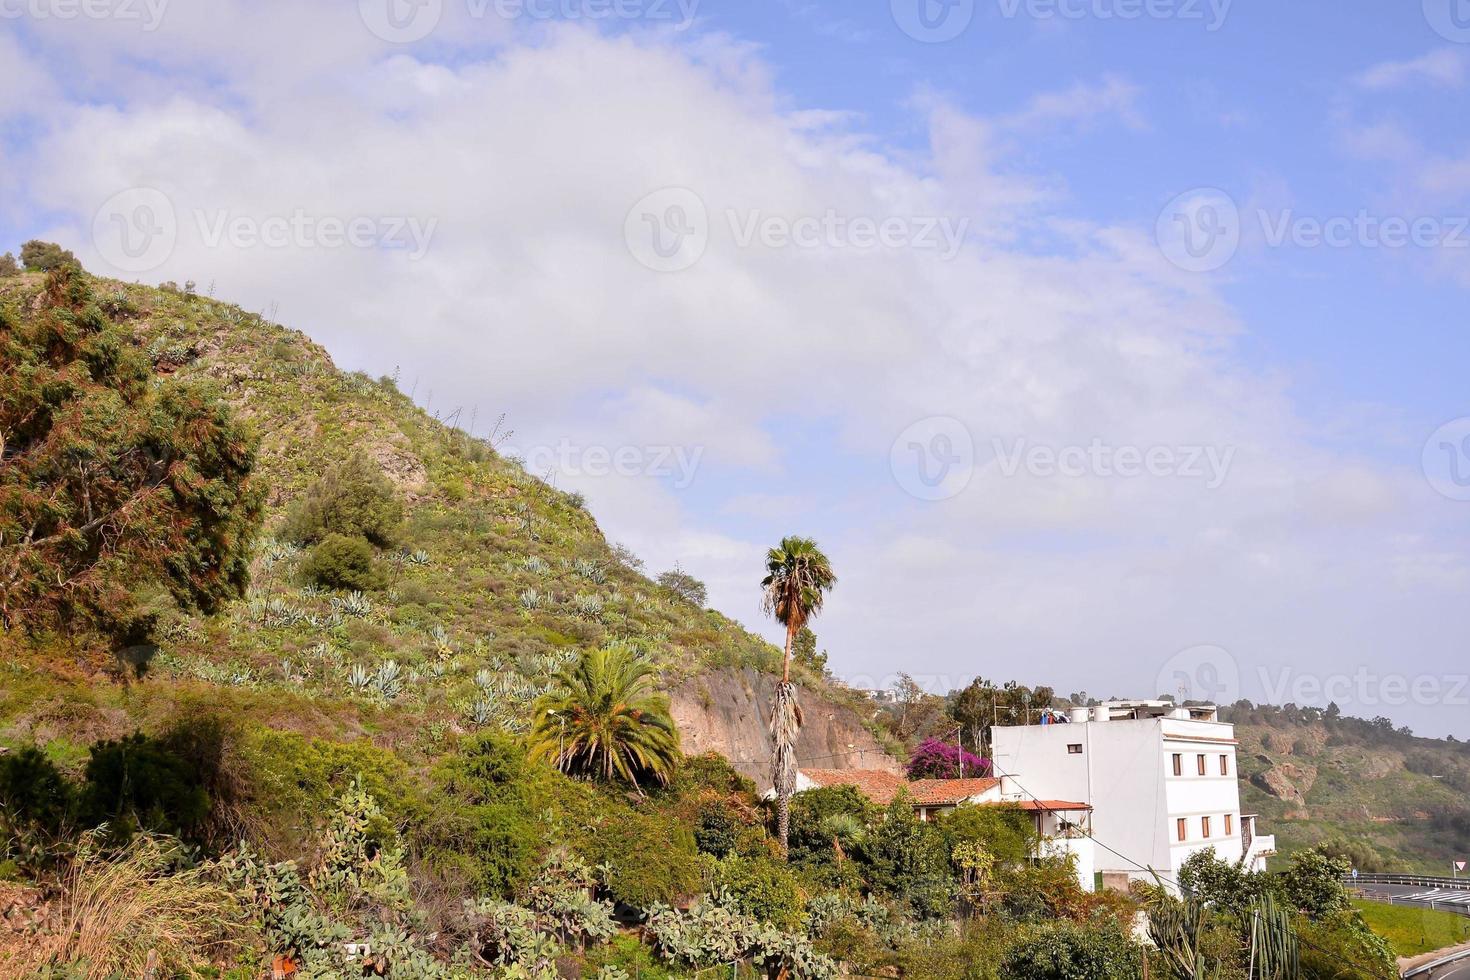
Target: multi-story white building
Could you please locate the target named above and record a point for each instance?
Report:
(1161, 781)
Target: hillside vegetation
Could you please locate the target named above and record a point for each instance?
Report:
(1387, 800)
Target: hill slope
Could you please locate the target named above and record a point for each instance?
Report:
(496, 580)
(1402, 803)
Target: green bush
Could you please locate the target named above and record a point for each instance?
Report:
(910, 863)
(36, 801)
(138, 783)
(352, 498)
(716, 831)
(486, 827)
(1071, 952)
(340, 562)
(763, 888)
(8, 266)
(826, 816)
(1007, 832)
(649, 855)
(39, 256)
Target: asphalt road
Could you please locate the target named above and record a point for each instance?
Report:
(1442, 898)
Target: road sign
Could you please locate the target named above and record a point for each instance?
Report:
(1459, 865)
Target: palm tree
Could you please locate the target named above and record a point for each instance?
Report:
(607, 720)
(798, 578)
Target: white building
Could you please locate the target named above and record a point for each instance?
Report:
(1161, 780)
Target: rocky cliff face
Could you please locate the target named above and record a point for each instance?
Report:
(728, 711)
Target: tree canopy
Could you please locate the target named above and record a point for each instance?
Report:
(115, 482)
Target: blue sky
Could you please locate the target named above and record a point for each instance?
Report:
(802, 378)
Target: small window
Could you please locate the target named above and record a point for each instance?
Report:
(1074, 748)
(1178, 767)
(1224, 765)
(1204, 827)
(1229, 825)
(1201, 765)
(1182, 827)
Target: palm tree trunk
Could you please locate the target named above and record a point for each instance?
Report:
(790, 644)
(785, 722)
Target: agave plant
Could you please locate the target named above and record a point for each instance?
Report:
(587, 606)
(359, 677)
(388, 679)
(531, 599)
(419, 557)
(353, 604)
(536, 565)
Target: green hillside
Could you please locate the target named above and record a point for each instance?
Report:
(1394, 802)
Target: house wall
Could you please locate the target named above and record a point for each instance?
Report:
(1125, 771)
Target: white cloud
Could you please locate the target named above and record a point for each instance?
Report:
(528, 158)
(1444, 68)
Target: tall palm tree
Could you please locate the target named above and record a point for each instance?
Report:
(606, 720)
(798, 578)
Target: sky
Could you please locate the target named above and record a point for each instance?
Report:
(1116, 345)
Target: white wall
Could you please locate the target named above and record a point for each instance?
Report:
(1125, 771)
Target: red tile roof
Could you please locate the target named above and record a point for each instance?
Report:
(940, 792)
(1053, 806)
(881, 787)
(876, 784)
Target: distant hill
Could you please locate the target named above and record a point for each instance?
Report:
(1399, 802)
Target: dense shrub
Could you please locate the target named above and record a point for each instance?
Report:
(1006, 832)
(716, 831)
(122, 485)
(910, 863)
(8, 266)
(353, 498)
(1340, 945)
(1313, 884)
(685, 586)
(485, 824)
(342, 562)
(1064, 951)
(761, 887)
(36, 802)
(826, 819)
(39, 256)
(139, 783)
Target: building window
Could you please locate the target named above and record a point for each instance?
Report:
(1201, 765)
(1204, 827)
(1074, 748)
(1178, 766)
(1229, 825)
(1224, 765)
(1183, 828)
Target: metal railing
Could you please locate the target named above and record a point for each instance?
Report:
(1417, 881)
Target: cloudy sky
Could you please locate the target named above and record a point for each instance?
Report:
(1110, 344)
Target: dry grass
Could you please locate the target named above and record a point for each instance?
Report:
(123, 913)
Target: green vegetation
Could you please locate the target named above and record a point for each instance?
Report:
(8, 266)
(605, 719)
(348, 639)
(1412, 931)
(115, 486)
(38, 256)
